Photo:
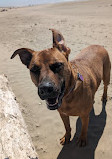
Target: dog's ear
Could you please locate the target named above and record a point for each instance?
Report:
(59, 43)
(25, 55)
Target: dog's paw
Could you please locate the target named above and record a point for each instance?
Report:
(65, 139)
(81, 142)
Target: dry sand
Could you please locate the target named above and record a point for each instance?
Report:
(82, 24)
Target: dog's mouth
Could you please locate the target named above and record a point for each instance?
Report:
(55, 103)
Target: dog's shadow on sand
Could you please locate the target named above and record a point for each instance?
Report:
(95, 130)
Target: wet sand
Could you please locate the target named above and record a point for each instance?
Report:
(82, 24)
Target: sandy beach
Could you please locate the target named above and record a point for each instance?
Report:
(82, 24)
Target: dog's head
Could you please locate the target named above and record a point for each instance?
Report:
(49, 69)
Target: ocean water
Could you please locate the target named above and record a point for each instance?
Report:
(14, 3)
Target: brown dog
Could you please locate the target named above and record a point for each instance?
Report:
(67, 86)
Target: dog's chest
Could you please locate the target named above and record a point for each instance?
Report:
(72, 109)
(77, 106)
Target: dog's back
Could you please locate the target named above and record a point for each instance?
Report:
(94, 64)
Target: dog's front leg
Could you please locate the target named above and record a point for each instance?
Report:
(66, 138)
(82, 141)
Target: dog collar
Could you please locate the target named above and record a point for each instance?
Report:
(79, 77)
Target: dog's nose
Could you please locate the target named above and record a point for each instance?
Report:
(45, 90)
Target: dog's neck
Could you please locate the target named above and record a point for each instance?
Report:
(75, 81)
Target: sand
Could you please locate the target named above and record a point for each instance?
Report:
(82, 24)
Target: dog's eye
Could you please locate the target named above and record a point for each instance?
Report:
(35, 69)
(56, 67)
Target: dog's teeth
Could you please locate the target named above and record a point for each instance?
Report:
(52, 104)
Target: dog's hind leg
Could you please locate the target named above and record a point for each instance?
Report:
(106, 77)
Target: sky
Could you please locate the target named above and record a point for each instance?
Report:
(12, 3)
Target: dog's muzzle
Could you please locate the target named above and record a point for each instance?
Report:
(53, 96)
